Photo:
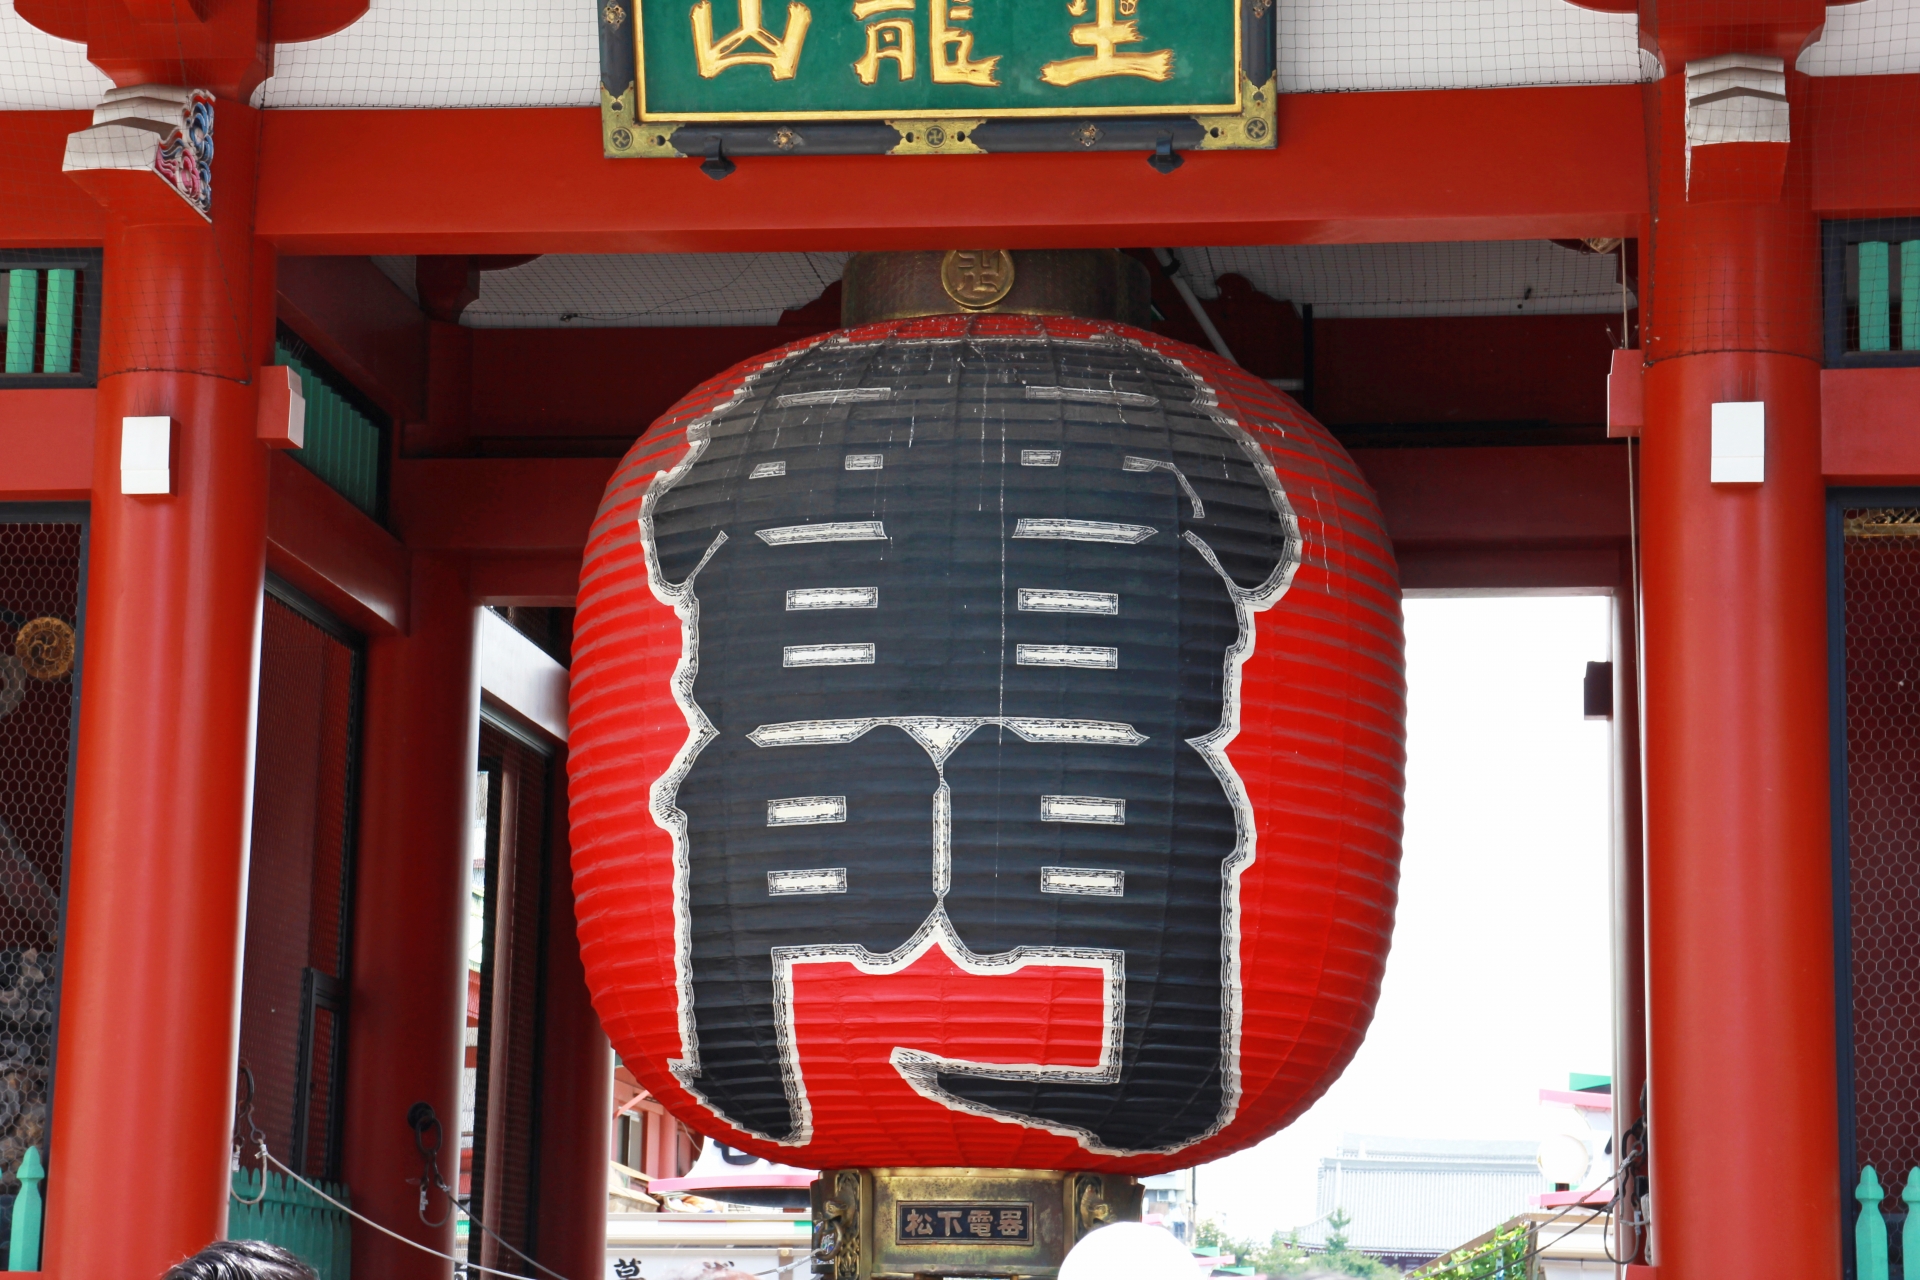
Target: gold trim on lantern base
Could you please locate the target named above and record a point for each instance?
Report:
(922, 1224)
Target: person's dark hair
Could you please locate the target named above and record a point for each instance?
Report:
(241, 1260)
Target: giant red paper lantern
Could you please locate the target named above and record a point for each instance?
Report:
(987, 751)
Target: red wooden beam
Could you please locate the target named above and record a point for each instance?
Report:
(1545, 518)
(1866, 426)
(42, 208)
(497, 504)
(1525, 518)
(316, 539)
(1866, 155)
(1439, 369)
(328, 548)
(548, 580)
(1440, 165)
(1444, 165)
(1541, 517)
(46, 439)
(1571, 496)
(555, 391)
(1509, 569)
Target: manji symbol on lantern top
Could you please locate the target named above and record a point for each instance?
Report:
(915, 77)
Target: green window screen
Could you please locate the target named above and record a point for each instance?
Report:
(42, 320)
(1876, 313)
(343, 443)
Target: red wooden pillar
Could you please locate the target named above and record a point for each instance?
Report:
(409, 985)
(164, 769)
(1739, 923)
(576, 1102)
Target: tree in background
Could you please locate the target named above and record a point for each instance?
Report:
(1340, 1258)
(1282, 1258)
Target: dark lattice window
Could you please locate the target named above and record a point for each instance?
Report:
(49, 317)
(1872, 291)
(346, 433)
(292, 1033)
(42, 559)
(511, 906)
(1877, 888)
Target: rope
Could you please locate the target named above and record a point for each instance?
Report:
(258, 1139)
(267, 1158)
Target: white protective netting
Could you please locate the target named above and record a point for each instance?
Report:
(1871, 38)
(648, 290)
(413, 53)
(41, 73)
(1329, 46)
(1466, 278)
(1478, 278)
(417, 53)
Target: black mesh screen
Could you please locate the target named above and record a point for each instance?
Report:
(1882, 598)
(297, 885)
(40, 588)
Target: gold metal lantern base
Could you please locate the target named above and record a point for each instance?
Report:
(909, 1224)
(1092, 284)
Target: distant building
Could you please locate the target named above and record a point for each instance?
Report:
(1408, 1200)
(1168, 1202)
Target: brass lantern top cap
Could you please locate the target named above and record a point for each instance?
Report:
(1091, 284)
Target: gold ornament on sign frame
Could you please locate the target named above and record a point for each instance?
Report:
(977, 278)
(44, 647)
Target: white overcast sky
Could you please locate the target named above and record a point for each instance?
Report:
(1498, 983)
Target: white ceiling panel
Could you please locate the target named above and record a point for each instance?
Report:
(1484, 278)
(1331, 46)
(415, 53)
(597, 291)
(1468, 278)
(419, 53)
(1872, 38)
(40, 73)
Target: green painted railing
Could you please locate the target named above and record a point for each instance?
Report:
(1870, 1228)
(23, 1244)
(295, 1219)
(33, 346)
(342, 443)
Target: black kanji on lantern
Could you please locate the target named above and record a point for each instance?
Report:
(963, 623)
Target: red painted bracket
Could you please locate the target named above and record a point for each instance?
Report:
(282, 416)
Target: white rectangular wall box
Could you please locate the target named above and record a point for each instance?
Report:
(146, 455)
(1739, 442)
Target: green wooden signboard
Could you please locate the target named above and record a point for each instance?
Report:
(716, 78)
